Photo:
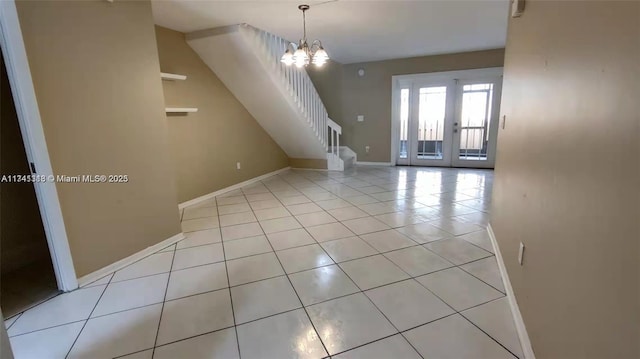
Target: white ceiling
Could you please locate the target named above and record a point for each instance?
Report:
(355, 31)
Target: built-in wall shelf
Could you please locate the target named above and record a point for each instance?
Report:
(172, 77)
(180, 109)
(176, 110)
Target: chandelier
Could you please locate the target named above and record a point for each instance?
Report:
(303, 53)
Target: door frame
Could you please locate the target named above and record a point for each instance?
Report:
(397, 80)
(24, 98)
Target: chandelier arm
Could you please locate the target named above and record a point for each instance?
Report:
(315, 45)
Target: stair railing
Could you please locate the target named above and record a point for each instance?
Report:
(335, 131)
(296, 81)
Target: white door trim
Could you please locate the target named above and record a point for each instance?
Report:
(525, 342)
(398, 80)
(395, 119)
(19, 74)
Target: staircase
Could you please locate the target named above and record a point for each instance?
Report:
(281, 98)
(348, 156)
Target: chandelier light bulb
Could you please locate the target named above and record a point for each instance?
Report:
(319, 62)
(287, 58)
(300, 57)
(322, 54)
(320, 57)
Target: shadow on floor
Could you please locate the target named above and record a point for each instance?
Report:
(27, 286)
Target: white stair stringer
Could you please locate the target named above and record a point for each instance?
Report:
(348, 156)
(345, 158)
(281, 98)
(334, 163)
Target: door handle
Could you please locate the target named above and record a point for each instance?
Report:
(455, 124)
(455, 130)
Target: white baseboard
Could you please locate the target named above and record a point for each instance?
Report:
(310, 169)
(236, 186)
(387, 164)
(515, 310)
(92, 277)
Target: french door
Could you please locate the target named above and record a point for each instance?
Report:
(447, 119)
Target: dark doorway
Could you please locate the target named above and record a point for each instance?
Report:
(26, 270)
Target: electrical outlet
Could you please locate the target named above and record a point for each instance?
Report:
(360, 118)
(366, 149)
(521, 253)
(237, 165)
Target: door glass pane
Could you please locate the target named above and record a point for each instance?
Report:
(474, 121)
(404, 122)
(431, 114)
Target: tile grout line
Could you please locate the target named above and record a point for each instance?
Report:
(340, 222)
(51, 327)
(428, 221)
(294, 289)
(371, 301)
(319, 243)
(478, 278)
(15, 320)
(138, 307)
(459, 312)
(487, 334)
(379, 310)
(399, 333)
(226, 269)
(89, 285)
(19, 314)
(251, 282)
(347, 275)
(89, 317)
(322, 183)
(184, 339)
(413, 278)
(143, 276)
(164, 300)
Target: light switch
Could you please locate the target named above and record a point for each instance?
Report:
(360, 118)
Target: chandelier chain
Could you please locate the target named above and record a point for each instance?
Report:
(304, 25)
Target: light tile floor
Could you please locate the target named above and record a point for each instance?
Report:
(373, 262)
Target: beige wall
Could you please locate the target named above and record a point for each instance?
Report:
(346, 95)
(328, 82)
(571, 77)
(206, 145)
(96, 75)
